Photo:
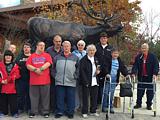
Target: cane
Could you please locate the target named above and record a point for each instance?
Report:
(109, 105)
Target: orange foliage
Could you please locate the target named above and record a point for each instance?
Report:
(127, 11)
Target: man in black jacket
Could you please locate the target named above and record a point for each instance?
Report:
(103, 52)
(146, 64)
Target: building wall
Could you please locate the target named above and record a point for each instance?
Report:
(2, 42)
(27, 1)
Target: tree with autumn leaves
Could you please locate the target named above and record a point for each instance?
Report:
(127, 13)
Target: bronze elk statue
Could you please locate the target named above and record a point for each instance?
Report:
(42, 28)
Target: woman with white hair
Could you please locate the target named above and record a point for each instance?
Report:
(80, 52)
(89, 69)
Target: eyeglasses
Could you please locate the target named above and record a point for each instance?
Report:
(80, 44)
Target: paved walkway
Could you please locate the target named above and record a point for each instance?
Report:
(116, 116)
(140, 114)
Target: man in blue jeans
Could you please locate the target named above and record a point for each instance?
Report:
(114, 67)
(146, 65)
(65, 81)
(54, 50)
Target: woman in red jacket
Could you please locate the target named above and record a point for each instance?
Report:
(9, 73)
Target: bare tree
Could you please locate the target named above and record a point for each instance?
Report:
(151, 26)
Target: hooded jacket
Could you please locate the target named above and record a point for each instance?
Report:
(10, 87)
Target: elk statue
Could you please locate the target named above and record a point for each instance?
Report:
(42, 28)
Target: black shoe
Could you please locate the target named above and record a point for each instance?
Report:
(70, 116)
(58, 115)
(31, 115)
(137, 106)
(149, 108)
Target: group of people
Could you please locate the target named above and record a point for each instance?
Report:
(62, 81)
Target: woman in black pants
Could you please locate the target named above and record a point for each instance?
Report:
(89, 69)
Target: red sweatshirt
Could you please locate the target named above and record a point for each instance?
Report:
(9, 88)
(38, 60)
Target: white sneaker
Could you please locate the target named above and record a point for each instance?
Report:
(84, 115)
(95, 114)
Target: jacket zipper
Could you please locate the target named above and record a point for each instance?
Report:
(64, 69)
(103, 52)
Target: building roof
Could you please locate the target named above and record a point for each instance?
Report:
(31, 5)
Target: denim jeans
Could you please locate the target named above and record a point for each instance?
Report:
(105, 103)
(78, 97)
(65, 94)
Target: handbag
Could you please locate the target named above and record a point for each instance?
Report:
(126, 89)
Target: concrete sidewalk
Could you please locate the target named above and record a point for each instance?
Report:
(116, 116)
(140, 114)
